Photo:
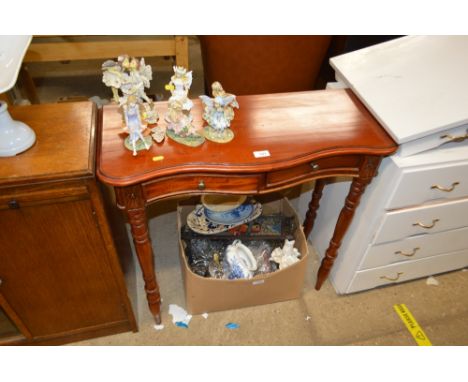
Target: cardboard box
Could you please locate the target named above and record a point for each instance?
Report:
(204, 294)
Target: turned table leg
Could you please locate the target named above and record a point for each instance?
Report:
(313, 207)
(358, 186)
(130, 199)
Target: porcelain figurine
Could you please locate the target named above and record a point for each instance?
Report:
(178, 117)
(241, 261)
(218, 113)
(285, 256)
(135, 140)
(130, 77)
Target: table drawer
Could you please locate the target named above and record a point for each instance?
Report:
(439, 217)
(414, 248)
(344, 165)
(202, 183)
(416, 186)
(409, 270)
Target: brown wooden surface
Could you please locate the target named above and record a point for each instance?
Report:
(62, 48)
(64, 133)
(296, 128)
(58, 262)
(310, 135)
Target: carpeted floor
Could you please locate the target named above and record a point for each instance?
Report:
(317, 318)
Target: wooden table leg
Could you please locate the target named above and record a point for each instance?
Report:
(313, 207)
(358, 186)
(130, 199)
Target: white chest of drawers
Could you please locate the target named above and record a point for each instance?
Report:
(413, 219)
(401, 233)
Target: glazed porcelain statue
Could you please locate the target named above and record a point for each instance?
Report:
(242, 262)
(178, 117)
(131, 76)
(219, 112)
(135, 140)
(287, 255)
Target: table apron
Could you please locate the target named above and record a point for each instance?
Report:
(256, 183)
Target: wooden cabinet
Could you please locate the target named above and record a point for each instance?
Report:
(61, 278)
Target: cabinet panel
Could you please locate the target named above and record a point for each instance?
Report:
(416, 186)
(423, 220)
(55, 269)
(409, 270)
(7, 327)
(416, 247)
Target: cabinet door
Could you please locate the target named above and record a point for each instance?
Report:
(55, 270)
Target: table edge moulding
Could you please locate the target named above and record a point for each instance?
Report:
(309, 136)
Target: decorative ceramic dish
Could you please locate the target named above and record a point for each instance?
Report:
(222, 203)
(230, 217)
(198, 222)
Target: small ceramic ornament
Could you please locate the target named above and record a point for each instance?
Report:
(135, 140)
(130, 77)
(219, 112)
(241, 261)
(178, 117)
(285, 256)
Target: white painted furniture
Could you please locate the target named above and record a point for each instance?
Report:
(413, 219)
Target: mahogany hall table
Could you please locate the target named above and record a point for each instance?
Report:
(308, 135)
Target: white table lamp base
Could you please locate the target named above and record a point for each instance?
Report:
(15, 136)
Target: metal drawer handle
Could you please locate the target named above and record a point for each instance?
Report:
(434, 221)
(452, 138)
(201, 185)
(314, 166)
(390, 278)
(446, 189)
(408, 254)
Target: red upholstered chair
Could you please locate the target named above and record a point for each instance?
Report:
(263, 64)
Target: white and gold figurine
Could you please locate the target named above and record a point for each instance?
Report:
(131, 76)
(178, 116)
(218, 113)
